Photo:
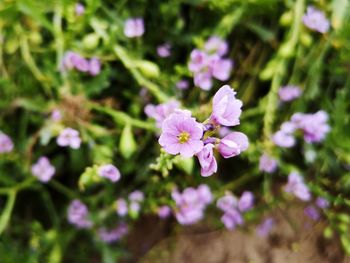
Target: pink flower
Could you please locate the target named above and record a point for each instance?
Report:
(161, 111)
(227, 202)
(207, 160)
(216, 45)
(297, 187)
(203, 80)
(43, 169)
(56, 115)
(112, 235)
(233, 144)
(226, 108)
(79, 9)
(78, 214)
(221, 69)
(136, 196)
(182, 84)
(110, 172)
(181, 134)
(6, 144)
(246, 201)
(94, 66)
(311, 212)
(198, 61)
(289, 93)
(164, 50)
(231, 219)
(265, 227)
(134, 27)
(69, 137)
(164, 211)
(267, 164)
(322, 202)
(283, 139)
(316, 20)
(121, 207)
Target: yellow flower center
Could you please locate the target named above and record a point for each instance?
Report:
(183, 137)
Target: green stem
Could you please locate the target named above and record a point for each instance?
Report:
(6, 214)
(63, 189)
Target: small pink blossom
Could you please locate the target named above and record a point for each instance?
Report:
(112, 235)
(121, 207)
(316, 20)
(161, 111)
(246, 201)
(216, 45)
(134, 27)
(69, 137)
(164, 211)
(182, 84)
(78, 214)
(79, 9)
(6, 144)
(289, 93)
(164, 50)
(56, 115)
(94, 66)
(297, 187)
(110, 172)
(267, 164)
(207, 160)
(233, 144)
(43, 169)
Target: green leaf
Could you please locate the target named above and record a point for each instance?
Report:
(127, 145)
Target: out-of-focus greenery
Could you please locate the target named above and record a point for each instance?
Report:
(270, 47)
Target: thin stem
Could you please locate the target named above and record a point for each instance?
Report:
(6, 214)
(63, 189)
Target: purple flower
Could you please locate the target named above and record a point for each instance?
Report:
(56, 115)
(267, 164)
(246, 201)
(229, 205)
(182, 84)
(94, 66)
(231, 218)
(69, 137)
(226, 108)
(322, 202)
(316, 20)
(221, 68)
(134, 27)
(233, 144)
(43, 169)
(203, 80)
(297, 187)
(265, 227)
(6, 144)
(312, 212)
(181, 134)
(289, 93)
(136, 196)
(78, 214)
(216, 45)
(283, 139)
(164, 211)
(79, 9)
(121, 207)
(113, 235)
(161, 111)
(164, 50)
(198, 60)
(80, 63)
(135, 207)
(227, 202)
(207, 160)
(204, 194)
(110, 172)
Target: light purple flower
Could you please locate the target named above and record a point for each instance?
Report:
(164, 211)
(110, 172)
(6, 144)
(94, 66)
(322, 203)
(78, 214)
(121, 207)
(56, 115)
(43, 169)
(226, 108)
(312, 212)
(265, 227)
(161, 111)
(316, 20)
(297, 187)
(134, 207)
(79, 9)
(80, 63)
(221, 68)
(164, 50)
(198, 60)
(289, 93)
(233, 144)
(181, 134)
(204, 194)
(203, 80)
(283, 139)
(136, 196)
(134, 27)
(113, 235)
(267, 164)
(69, 137)
(231, 218)
(227, 202)
(246, 201)
(182, 84)
(207, 160)
(216, 45)
(224, 131)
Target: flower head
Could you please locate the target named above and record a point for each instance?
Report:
(94, 66)
(56, 115)
(322, 203)
(161, 111)
(267, 164)
(78, 214)
(233, 144)
(164, 50)
(136, 196)
(316, 20)
(246, 201)
(6, 144)
(69, 137)
(182, 84)
(221, 68)
(112, 235)
(121, 207)
(43, 169)
(110, 172)
(134, 27)
(79, 9)
(207, 160)
(297, 187)
(216, 45)
(265, 227)
(311, 212)
(164, 211)
(289, 93)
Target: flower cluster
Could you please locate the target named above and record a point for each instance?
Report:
(164, 211)
(78, 214)
(182, 134)
(208, 63)
(112, 235)
(110, 172)
(316, 20)
(313, 212)
(134, 27)
(289, 93)
(267, 164)
(6, 144)
(72, 60)
(297, 187)
(43, 169)
(191, 203)
(314, 127)
(234, 208)
(69, 137)
(135, 200)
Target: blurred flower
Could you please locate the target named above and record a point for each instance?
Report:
(134, 27)
(267, 164)
(283, 139)
(227, 202)
(69, 137)
(56, 115)
(79, 9)
(164, 50)
(110, 172)
(297, 187)
(198, 60)
(182, 84)
(216, 45)
(113, 235)
(246, 201)
(231, 218)
(181, 134)
(121, 207)
(316, 20)
(43, 169)
(207, 160)
(289, 93)
(312, 212)
(224, 131)
(265, 227)
(78, 214)
(94, 66)
(164, 211)
(203, 80)
(6, 144)
(221, 68)
(233, 144)
(322, 203)
(226, 108)
(204, 194)
(136, 196)
(134, 207)
(161, 111)
(72, 60)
